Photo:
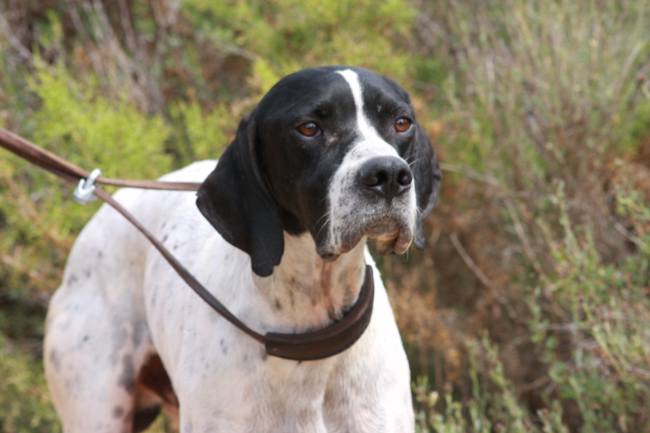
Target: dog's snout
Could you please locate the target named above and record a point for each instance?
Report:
(386, 176)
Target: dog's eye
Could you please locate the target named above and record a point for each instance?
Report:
(402, 124)
(309, 129)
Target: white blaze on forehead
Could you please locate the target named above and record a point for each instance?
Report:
(366, 130)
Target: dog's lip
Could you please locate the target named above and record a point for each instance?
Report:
(383, 226)
(390, 234)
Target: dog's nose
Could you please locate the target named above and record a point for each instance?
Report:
(386, 176)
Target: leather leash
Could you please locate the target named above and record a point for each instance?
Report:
(73, 173)
(312, 345)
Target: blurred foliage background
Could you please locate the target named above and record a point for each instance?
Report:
(529, 311)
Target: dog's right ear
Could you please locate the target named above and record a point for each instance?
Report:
(235, 199)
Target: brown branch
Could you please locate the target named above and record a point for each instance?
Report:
(470, 262)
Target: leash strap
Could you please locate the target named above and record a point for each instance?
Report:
(73, 173)
(307, 346)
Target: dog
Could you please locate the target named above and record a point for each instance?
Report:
(331, 159)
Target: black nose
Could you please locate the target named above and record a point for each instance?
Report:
(387, 176)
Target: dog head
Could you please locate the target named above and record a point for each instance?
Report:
(333, 151)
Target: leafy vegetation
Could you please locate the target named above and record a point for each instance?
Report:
(529, 310)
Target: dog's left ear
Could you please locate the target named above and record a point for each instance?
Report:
(427, 176)
(236, 200)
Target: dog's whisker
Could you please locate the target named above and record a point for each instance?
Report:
(412, 163)
(325, 215)
(325, 221)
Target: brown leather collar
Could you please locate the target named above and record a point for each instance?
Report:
(307, 346)
(330, 340)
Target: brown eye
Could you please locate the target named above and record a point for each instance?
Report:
(308, 129)
(402, 124)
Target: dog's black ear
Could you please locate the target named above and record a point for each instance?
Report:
(235, 199)
(427, 176)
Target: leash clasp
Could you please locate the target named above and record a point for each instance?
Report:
(83, 193)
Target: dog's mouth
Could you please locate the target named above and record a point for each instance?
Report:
(389, 234)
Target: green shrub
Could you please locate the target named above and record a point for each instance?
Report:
(25, 407)
(76, 122)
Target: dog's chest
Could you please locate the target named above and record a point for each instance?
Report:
(249, 391)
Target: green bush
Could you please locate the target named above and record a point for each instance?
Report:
(25, 407)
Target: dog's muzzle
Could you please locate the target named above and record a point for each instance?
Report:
(376, 201)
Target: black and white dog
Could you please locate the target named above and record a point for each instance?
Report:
(330, 158)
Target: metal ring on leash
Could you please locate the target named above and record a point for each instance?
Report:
(83, 193)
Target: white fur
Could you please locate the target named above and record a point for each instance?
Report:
(120, 301)
(367, 132)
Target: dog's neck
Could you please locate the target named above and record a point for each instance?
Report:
(308, 292)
